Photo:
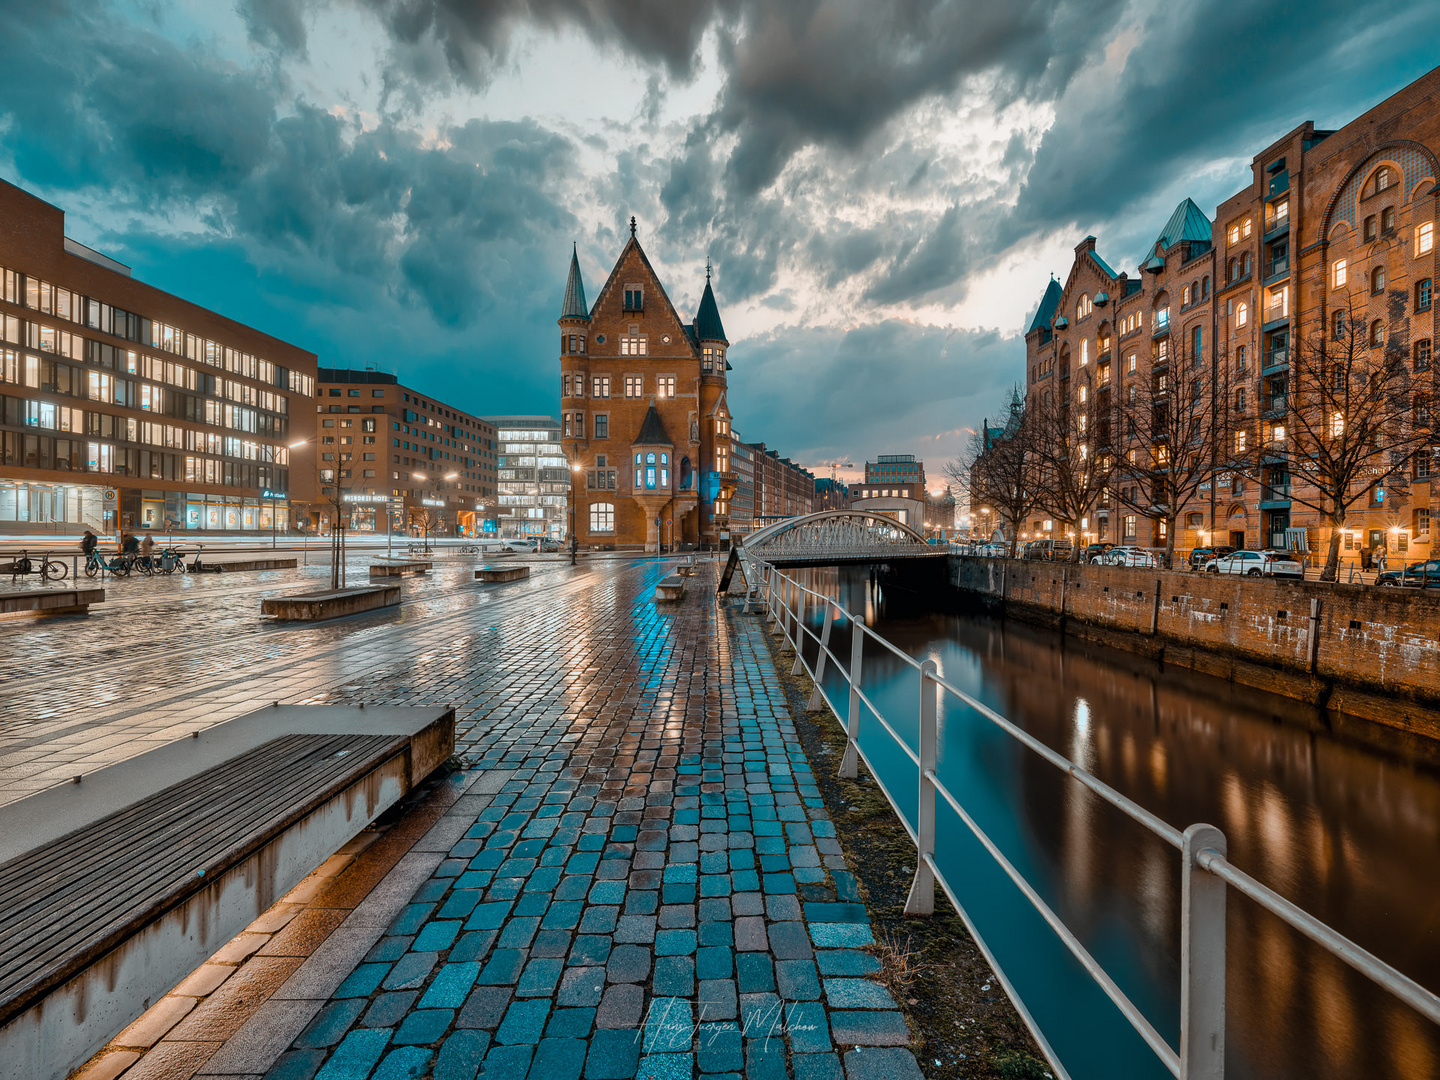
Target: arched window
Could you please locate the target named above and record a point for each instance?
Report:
(1242, 313)
(1337, 326)
(1377, 280)
(1205, 286)
(1230, 269)
(602, 517)
(1245, 260)
(1377, 334)
(650, 470)
(1084, 307)
(1240, 400)
(1185, 296)
(1084, 351)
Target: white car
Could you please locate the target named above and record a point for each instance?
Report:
(1130, 556)
(519, 545)
(1256, 564)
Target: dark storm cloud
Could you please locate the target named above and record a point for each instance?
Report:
(887, 387)
(1206, 81)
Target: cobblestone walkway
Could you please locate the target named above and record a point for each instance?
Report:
(657, 892)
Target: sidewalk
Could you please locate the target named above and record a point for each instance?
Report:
(656, 891)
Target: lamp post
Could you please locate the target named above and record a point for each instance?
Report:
(574, 473)
(435, 484)
(292, 446)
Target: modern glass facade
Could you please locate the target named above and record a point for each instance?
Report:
(533, 476)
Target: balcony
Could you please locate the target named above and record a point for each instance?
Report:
(1274, 271)
(1276, 226)
(1275, 360)
(1275, 497)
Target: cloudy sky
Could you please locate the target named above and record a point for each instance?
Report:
(883, 187)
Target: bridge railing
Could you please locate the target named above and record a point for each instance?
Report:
(1205, 871)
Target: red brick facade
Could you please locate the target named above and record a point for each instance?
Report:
(644, 418)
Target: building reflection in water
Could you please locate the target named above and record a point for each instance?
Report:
(1348, 831)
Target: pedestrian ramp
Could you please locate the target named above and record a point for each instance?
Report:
(116, 886)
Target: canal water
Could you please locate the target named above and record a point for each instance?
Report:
(1346, 826)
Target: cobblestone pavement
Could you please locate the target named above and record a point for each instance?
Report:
(657, 892)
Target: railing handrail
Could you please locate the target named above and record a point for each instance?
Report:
(1205, 870)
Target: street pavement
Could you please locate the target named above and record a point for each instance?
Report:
(655, 891)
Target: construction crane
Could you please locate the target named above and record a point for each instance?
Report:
(833, 466)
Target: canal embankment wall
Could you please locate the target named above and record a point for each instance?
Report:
(1361, 650)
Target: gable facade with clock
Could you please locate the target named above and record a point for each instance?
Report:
(644, 420)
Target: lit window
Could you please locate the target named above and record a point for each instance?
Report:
(665, 386)
(1240, 442)
(1339, 274)
(1234, 234)
(600, 386)
(1084, 351)
(1337, 424)
(1245, 229)
(1425, 238)
(634, 346)
(1084, 394)
(1242, 313)
(602, 517)
(634, 385)
(1084, 307)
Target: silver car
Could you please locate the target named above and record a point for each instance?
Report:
(1130, 556)
(1256, 564)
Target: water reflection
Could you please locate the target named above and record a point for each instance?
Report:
(1346, 830)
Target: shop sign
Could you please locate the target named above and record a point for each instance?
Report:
(364, 498)
(268, 494)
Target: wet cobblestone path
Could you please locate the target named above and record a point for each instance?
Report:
(656, 891)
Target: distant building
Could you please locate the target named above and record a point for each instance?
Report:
(940, 514)
(644, 413)
(742, 506)
(831, 494)
(533, 476)
(894, 486)
(384, 447)
(783, 489)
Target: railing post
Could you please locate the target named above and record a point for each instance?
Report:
(817, 700)
(921, 900)
(849, 764)
(1202, 959)
(798, 640)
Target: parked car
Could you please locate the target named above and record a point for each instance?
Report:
(519, 545)
(1256, 564)
(1131, 556)
(1048, 550)
(1202, 555)
(995, 549)
(1415, 576)
(549, 543)
(1095, 553)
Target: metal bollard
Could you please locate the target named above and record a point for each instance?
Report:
(921, 900)
(1202, 959)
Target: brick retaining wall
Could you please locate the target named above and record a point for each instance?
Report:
(1376, 651)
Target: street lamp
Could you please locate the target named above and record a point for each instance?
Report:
(435, 483)
(292, 446)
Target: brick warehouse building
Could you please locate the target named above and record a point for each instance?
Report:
(386, 448)
(1331, 222)
(644, 420)
(111, 385)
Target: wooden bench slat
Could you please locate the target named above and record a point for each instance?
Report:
(69, 901)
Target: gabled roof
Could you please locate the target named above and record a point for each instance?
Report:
(652, 430)
(1188, 222)
(707, 320)
(1102, 264)
(610, 283)
(1048, 305)
(574, 305)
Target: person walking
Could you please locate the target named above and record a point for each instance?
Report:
(1381, 554)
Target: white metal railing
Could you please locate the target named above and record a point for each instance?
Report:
(1205, 871)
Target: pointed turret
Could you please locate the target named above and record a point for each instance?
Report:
(652, 430)
(707, 320)
(574, 306)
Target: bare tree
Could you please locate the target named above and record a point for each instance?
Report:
(1170, 424)
(1070, 473)
(1352, 422)
(999, 468)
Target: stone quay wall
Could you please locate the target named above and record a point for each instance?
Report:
(1368, 651)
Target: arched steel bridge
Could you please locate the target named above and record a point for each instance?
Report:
(831, 538)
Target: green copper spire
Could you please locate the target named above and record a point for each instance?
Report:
(574, 306)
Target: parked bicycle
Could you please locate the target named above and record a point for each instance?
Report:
(168, 560)
(118, 564)
(46, 566)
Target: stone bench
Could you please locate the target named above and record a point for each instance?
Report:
(330, 603)
(400, 567)
(686, 568)
(502, 573)
(50, 601)
(238, 565)
(669, 588)
(115, 888)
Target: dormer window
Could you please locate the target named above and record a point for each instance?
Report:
(634, 298)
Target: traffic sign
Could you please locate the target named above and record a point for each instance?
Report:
(111, 499)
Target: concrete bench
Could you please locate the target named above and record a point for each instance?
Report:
(502, 573)
(50, 601)
(237, 565)
(686, 568)
(330, 603)
(670, 588)
(114, 889)
(400, 567)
